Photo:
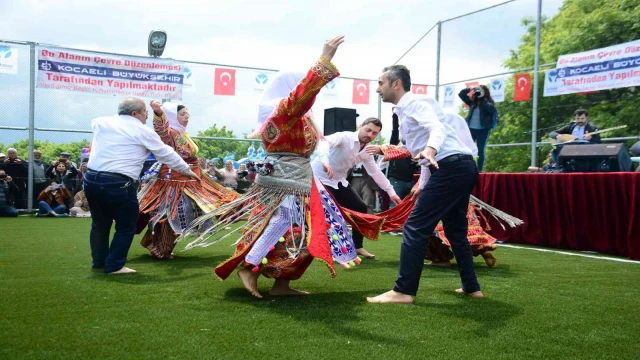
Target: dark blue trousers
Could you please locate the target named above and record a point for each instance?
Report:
(446, 198)
(111, 198)
(481, 137)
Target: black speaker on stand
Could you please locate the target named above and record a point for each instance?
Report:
(339, 119)
(595, 158)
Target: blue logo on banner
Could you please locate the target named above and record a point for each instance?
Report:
(5, 52)
(496, 84)
(262, 78)
(187, 72)
(330, 85)
(448, 91)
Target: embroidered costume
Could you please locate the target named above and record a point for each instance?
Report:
(171, 201)
(292, 218)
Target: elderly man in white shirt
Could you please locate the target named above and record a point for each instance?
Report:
(119, 148)
(439, 150)
(338, 153)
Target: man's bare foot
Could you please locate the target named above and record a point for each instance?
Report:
(391, 297)
(124, 270)
(475, 294)
(440, 263)
(364, 253)
(250, 281)
(489, 258)
(281, 287)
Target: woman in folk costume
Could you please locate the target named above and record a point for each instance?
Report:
(439, 249)
(292, 218)
(169, 202)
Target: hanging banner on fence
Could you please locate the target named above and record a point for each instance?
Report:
(360, 92)
(109, 74)
(612, 67)
(449, 96)
(8, 59)
(497, 89)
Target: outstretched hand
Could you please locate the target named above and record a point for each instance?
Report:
(331, 46)
(157, 107)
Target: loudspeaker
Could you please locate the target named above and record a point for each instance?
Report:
(594, 158)
(339, 119)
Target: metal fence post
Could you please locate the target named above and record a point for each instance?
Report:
(536, 70)
(32, 103)
(438, 61)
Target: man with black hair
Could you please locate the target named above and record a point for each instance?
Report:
(338, 153)
(443, 196)
(581, 128)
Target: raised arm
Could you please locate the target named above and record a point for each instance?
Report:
(161, 123)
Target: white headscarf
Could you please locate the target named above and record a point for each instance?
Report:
(278, 88)
(171, 110)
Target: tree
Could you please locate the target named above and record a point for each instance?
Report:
(580, 25)
(50, 151)
(210, 149)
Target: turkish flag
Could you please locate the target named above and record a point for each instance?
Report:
(472, 84)
(224, 82)
(522, 88)
(419, 89)
(360, 92)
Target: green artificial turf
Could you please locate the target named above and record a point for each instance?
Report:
(537, 305)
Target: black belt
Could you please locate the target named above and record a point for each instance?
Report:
(450, 159)
(109, 174)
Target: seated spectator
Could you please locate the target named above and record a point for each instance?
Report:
(244, 180)
(80, 205)
(64, 173)
(8, 192)
(3, 157)
(53, 200)
(81, 172)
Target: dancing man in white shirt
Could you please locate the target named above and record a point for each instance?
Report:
(338, 153)
(119, 148)
(438, 149)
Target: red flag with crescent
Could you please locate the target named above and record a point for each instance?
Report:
(224, 82)
(419, 89)
(522, 88)
(360, 92)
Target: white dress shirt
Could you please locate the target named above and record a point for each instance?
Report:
(423, 124)
(342, 151)
(122, 143)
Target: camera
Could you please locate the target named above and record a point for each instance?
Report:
(56, 186)
(3, 176)
(478, 92)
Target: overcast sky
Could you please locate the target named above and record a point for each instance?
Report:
(258, 33)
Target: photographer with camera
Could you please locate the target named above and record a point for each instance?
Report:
(8, 192)
(53, 200)
(17, 169)
(482, 117)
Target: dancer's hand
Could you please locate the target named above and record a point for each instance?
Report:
(157, 107)
(327, 168)
(430, 155)
(193, 176)
(395, 199)
(330, 47)
(415, 193)
(373, 149)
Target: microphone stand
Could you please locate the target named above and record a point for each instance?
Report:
(539, 133)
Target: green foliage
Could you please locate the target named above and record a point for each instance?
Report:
(210, 149)
(580, 25)
(50, 151)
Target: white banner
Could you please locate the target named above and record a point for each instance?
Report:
(8, 59)
(449, 96)
(612, 67)
(109, 74)
(497, 89)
